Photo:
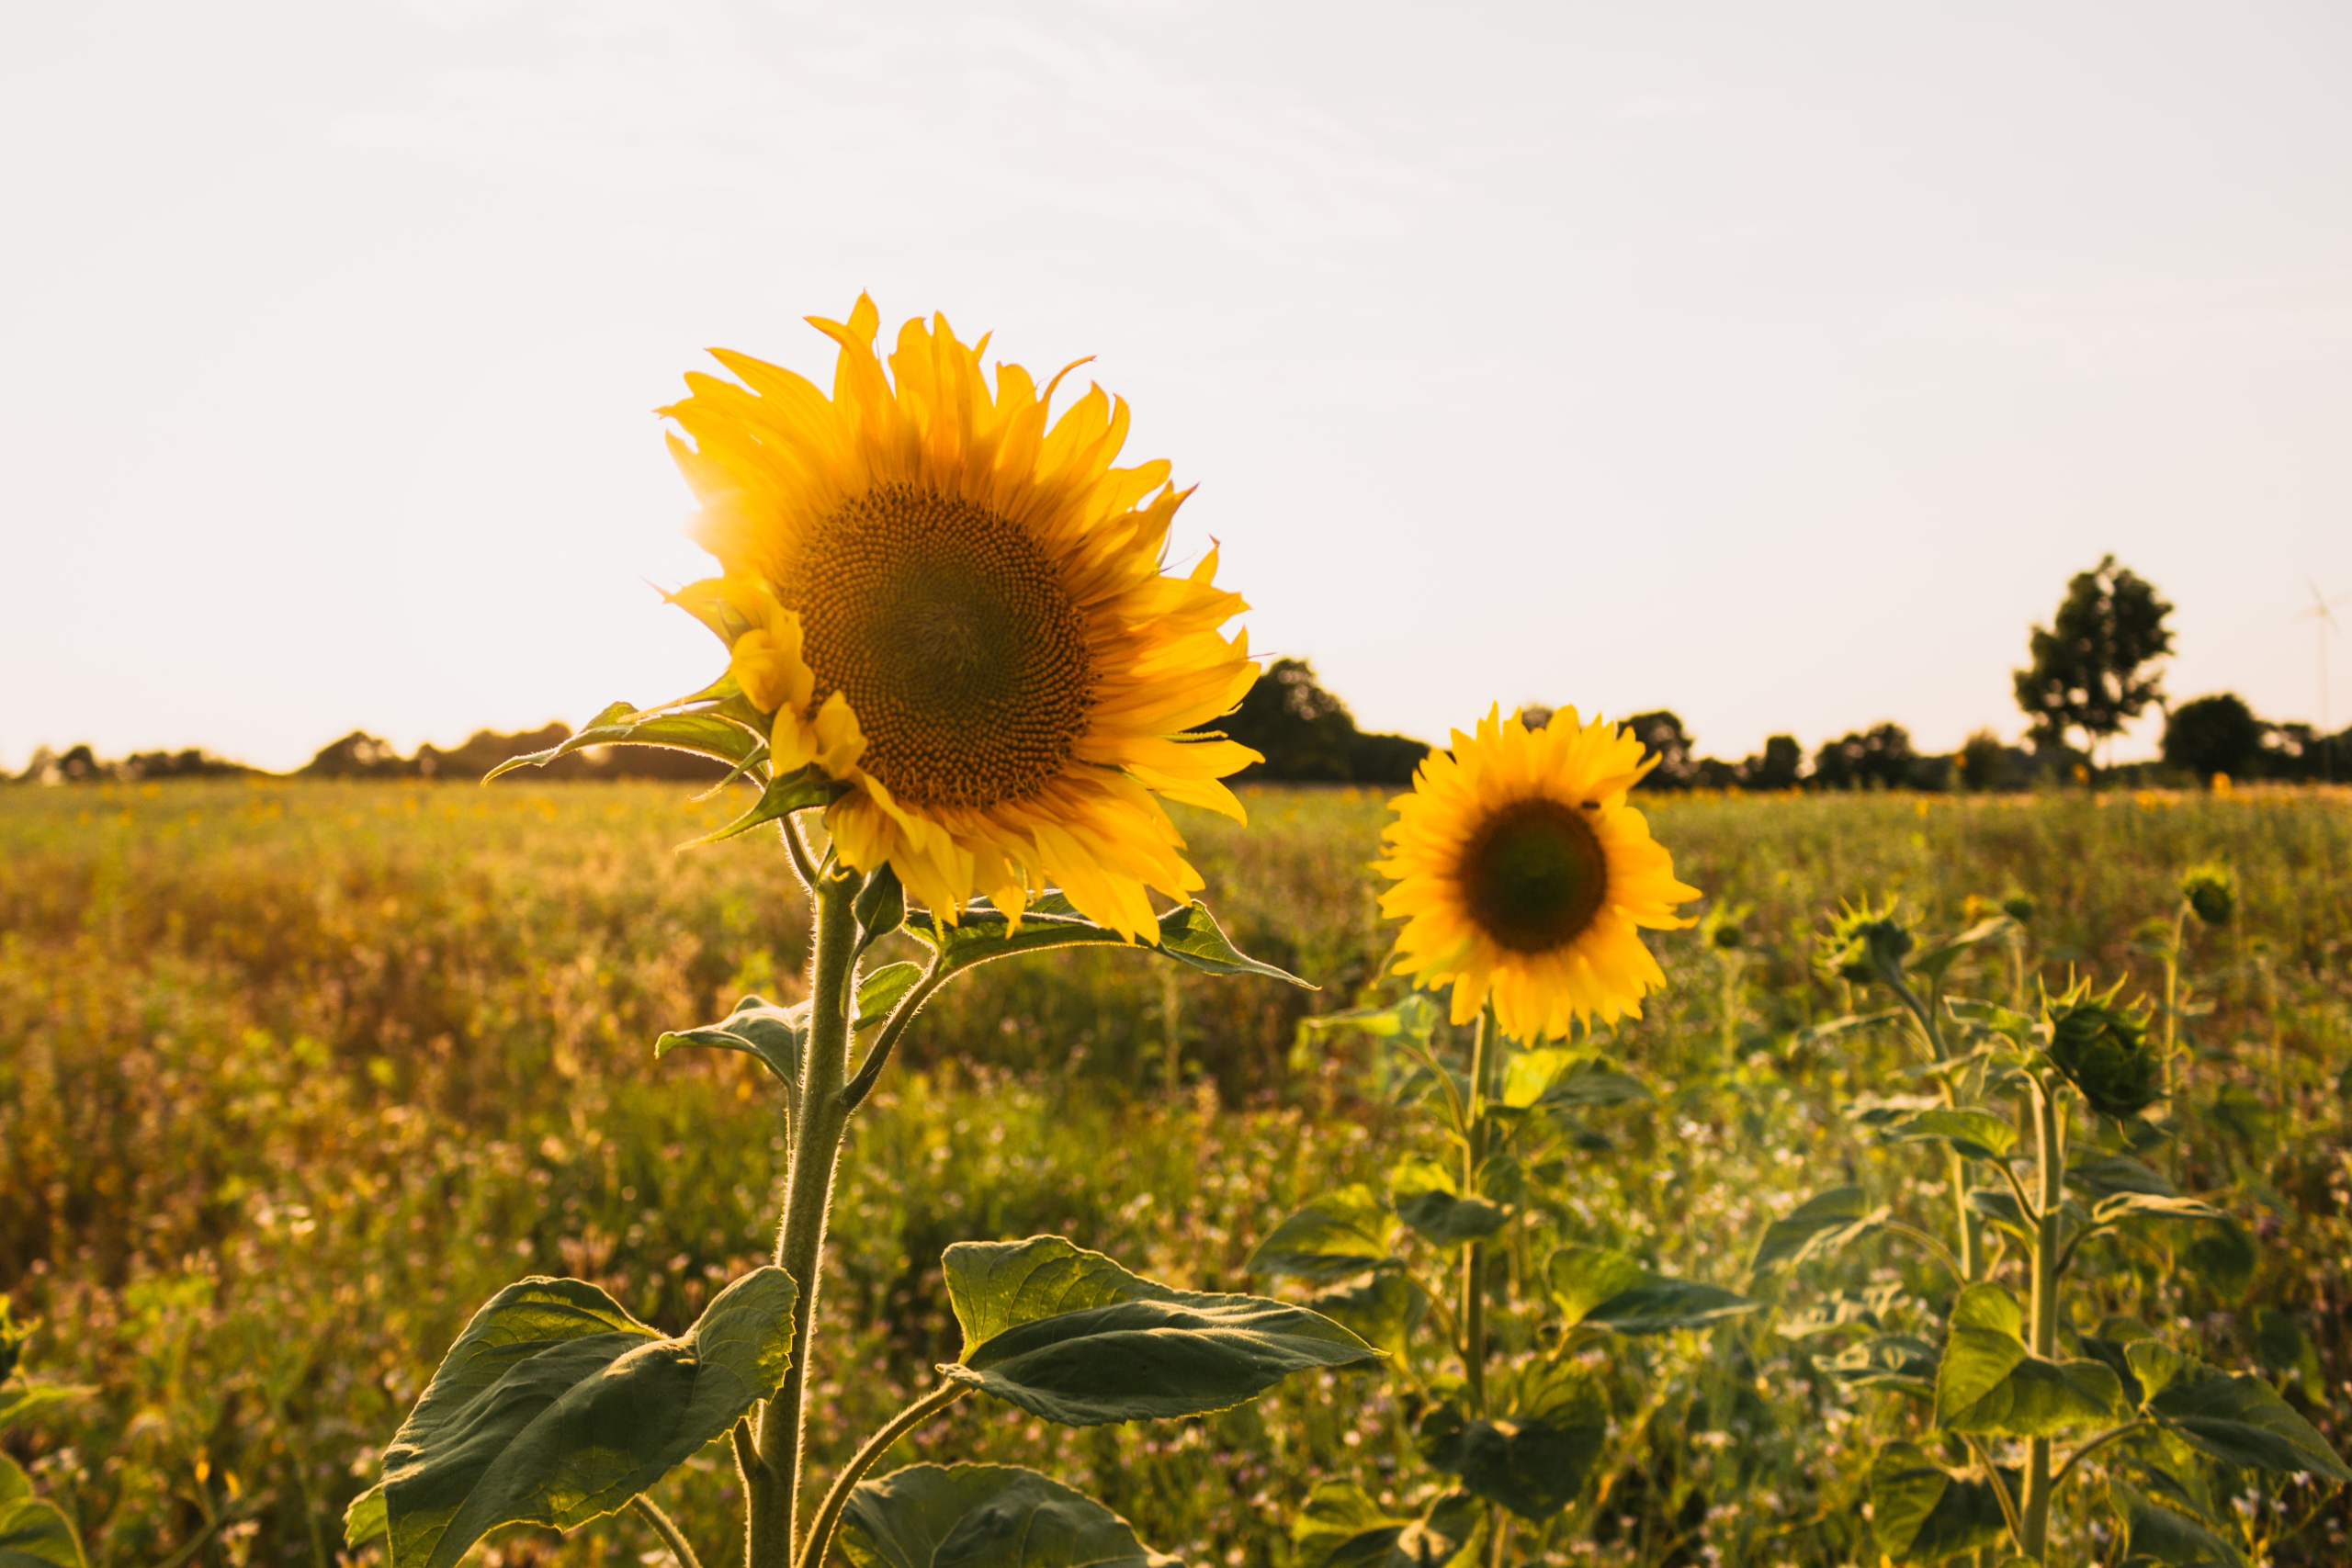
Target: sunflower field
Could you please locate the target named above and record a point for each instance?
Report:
(294, 1077)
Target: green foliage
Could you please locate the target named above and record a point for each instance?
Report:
(1535, 1457)
(1189, 934)
(1989, 1381)
(2219, 734)
(1342, 1527)
(2105, 1052)
(1342, 1233)
(556, 1405)
(1920, 1512)
(2086, 669)
(986, 1515)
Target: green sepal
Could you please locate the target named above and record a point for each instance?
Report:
(777, 1036)
(2157, 1535)
(1188, 935)
(1920, 1512)
(1070, 1336)
(785, 794)
(1341, 1233)
(1534, 1459)
(985, 1516)
(2238, 1419)
(1819, 1226)
(1426, 1197)
(1598, 1287)
(1342, 1527)
(705, 733)
(556, 1406)
(1381, 1309)
(1989, 1381)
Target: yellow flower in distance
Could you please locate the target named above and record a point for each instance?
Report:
(1521, 873)
(954, 606)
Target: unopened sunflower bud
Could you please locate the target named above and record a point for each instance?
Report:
(2211, 891)
(1865, 944)
(2019, 907)
(2104, 1051)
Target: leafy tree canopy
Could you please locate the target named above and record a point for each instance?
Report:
(2219, 734)
(2085, 672)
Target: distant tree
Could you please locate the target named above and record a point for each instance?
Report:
(1878, 758)
(359, 755)
(2219, 734)
(1663, 736)
(1778, 768)
(1307, 735)
(1984, 762)
(2086, 669)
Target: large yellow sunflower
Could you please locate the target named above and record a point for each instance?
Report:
(956, 609)
(1522, 874)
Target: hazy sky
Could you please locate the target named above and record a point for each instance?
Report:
(1772, 363)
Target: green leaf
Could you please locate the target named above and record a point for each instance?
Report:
(2158, 1535)
(985, 1516)
(2001, 1208)
(1922, 1513)
(364, 1519)
(1381, 1310)
(2286, 1350)
(1604, 1289)
(1991, 1017)
(1341, 1233)
(1342, 1527)
(757, 1027)
(1067, 1334)
(2112, 1345)
(1819, 1226)
(880, 991)
(785, 794)
(1900, 1361)
(1413, 1019)
(1827, 1029)
(23, 1399)
(34, 1534)
(1190, 935)
(556, 1406)
(1426, 1197)
(2241, 1420)
(1975, 1133)
(2147, 1206)
(1989, 1381)
(2110, 1174)
(1535, 1460)
(2224, 1257)
(1844, 1309)
(705, 733)
(1553, 1079)
(880, 907)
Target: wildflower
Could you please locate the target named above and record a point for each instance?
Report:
(1523, 875)
(956, 609)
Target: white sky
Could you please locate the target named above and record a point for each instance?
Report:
(1774, 364)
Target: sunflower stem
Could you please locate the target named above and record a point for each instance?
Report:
(772, 1486)
(2050, 1148)
(1474, 1257)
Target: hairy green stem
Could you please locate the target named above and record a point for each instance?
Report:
(829, 1513)
(1474, 1257)
(667, 1529)
(1965, 1219)
(2050, 1150)
(772, 1486)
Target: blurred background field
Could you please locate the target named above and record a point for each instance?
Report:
(294, 1076)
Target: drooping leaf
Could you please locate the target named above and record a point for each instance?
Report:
(1534, 1459)
(785, 794)
(1551, 1080)
(1830, 1029)
(1922, 1513)
(705, 733)
(2112, 1346)
(1901, 1361)
(2106, 1175)
(1975, 1133)
(1381, 1309)
(1342, 1527)
(1604, 1289)
(1070, 1336)
(757, 1027)
(1188, 935)
(1884, 1111)
(556, 1406)
(2001, 1208)
(1343, 1233)
(985, 1516)
(23, 1399)
(2241, 1420)
(1819, 1226)
(2159, 1535)
(1989, 1381)
(1427, 1198)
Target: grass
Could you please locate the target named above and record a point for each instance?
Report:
(293, 1077)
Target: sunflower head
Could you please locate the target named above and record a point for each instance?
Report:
(1524, 877)
(2103, 1049)
(2211, 891)
(1864, 943)
(953, 605)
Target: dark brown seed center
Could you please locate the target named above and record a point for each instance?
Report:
(1534, 876)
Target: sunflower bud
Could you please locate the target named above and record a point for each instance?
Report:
(2103, 1049)
(2019, 907)
(1864, 944)
(1726, 936)
(2211, 891)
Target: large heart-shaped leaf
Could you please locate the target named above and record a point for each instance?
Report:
(985, 1516)
(1069, 1335)
(1426, 1197)
(2236, 1419)
(1978, 1135)
(1551, 1079)
(1922, 1513)
(1989, 1381)
(1190, 935)
(2158, 1535)
(555, 1406)
(1381, 1310)
(33, 1533)
(1819, 1226)
(1343, 1233)
(1342, 1527)
(777, 1036)
(1535, 1460)
(1601, 1287)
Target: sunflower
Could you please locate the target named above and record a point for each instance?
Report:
(1521, 873)
(955, 608)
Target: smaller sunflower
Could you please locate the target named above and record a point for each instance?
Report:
(1523, 875)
